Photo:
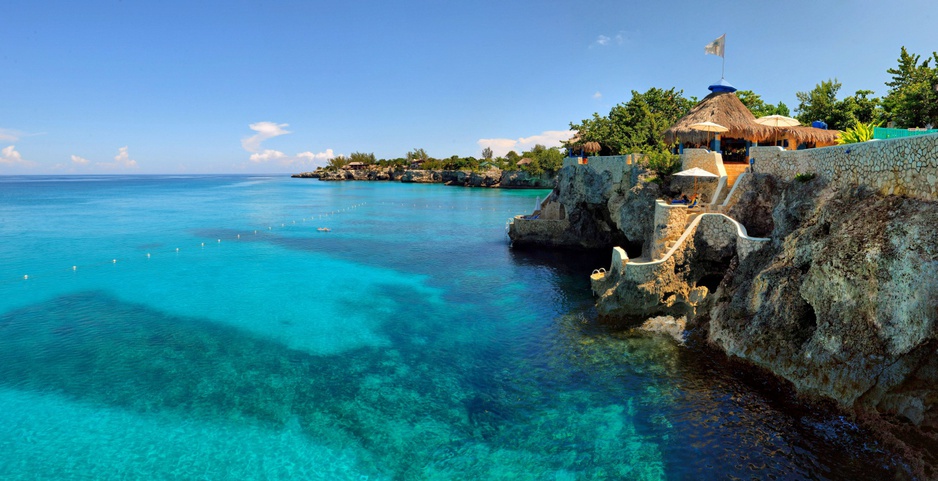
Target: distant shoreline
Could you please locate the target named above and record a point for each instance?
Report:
(494, 178)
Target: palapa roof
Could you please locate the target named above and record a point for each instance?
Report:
(525, 161)
(726, 109)
(810, 134)
(722, 108)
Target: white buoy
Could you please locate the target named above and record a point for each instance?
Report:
(255, 232)
(239, 236)
(219, 241)
(203, 244)
(25, 277)
(74, 268)
(177, 249)
(113, 261)
(148, 255)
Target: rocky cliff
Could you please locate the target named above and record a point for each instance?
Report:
(844, 303)
(599, 212)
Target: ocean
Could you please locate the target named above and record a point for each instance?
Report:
(204, 327)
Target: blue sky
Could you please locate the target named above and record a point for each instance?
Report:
(251, 86)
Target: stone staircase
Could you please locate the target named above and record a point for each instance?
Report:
(733, 172)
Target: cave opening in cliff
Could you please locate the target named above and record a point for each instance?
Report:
(633, 249)
(710, 281)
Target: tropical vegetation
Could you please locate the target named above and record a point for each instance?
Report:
(636, 126)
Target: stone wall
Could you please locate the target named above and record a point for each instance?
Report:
(670, 221)
(641, 288)
(904, 166)
(710, 161)
(709, 188)
(617, 165)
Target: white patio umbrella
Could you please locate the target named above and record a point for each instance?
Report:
(709, 127)
(695, 173)
(777, 121)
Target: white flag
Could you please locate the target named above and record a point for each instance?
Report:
(716, 47)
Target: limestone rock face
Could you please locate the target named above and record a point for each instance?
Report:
(844, 303)
(758, 196)
(517, 179)
(597, 212)
(422, 176)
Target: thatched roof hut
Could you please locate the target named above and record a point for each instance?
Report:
(525, 161)
(802, 134)
(723, 108)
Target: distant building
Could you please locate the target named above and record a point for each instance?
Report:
(356, 165)
(416, 164)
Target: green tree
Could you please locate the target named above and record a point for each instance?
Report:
(912, 100)
(367, 159)
(636, 125)
(512, 159)
(821, 104)
(758, 107)
(417, 154)
(487, 153)
(337, 162)
(862, 108)
(543, 159)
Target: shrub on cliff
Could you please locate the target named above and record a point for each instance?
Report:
(663, 163)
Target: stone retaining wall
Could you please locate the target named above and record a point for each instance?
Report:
(715, 229)
(710, 161)
(617, 165)
(904, 166)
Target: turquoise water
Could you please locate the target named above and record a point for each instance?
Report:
(203, 328)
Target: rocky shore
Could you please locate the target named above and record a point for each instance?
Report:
(491, 178)
(840, 298)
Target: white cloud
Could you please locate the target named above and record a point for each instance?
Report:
(321, 156)
(549, 138)
(605, 40)
(10, 135)
(122, 159)
(79, 160)
(303, 159)
(598, 95)
(265, 130)
(267, 156)
(9, 156)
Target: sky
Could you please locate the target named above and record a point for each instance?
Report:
(118, 87)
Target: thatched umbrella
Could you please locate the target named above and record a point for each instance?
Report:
(592, 147)
(708, 127)
(695, 172)
(777, 121)
(723, 108)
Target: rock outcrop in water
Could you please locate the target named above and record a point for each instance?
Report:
(592, 211)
